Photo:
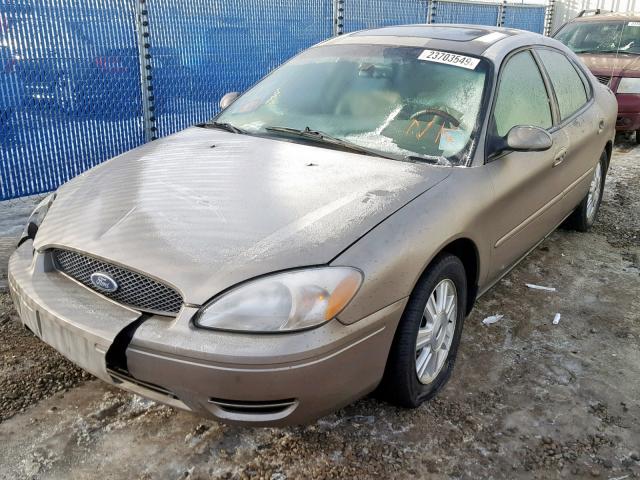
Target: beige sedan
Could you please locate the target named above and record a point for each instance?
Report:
(328, 232)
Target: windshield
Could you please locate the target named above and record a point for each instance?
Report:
(400, 101)
(601, 37)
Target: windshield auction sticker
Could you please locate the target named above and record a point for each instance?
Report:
(449, 59)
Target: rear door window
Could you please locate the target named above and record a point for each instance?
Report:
(569, 88)
(522, 97)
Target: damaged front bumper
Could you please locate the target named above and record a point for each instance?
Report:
(268, 379)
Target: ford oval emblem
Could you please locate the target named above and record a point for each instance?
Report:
(104, 282)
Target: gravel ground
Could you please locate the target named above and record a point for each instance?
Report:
(528, 399)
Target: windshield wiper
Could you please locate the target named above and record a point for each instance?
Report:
(588, 50)
(624, 52)
(606, 51)
(322, 137)
(434, 161)
(223, 126)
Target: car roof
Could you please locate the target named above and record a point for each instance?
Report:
(470, 39)
(608, 16)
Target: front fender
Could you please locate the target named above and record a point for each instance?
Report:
(396, 253)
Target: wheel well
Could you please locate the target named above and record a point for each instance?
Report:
(466, 251)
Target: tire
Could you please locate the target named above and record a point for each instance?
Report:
(400, 384)
(638, 136)
(585, 214)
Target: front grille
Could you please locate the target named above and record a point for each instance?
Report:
(604, 79)
(134, 289)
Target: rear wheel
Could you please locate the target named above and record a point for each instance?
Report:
(638, 136)
(584, 216)
(426, 342)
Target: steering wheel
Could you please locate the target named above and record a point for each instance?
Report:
(438, 113)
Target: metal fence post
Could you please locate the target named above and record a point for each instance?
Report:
(338, 17)
(146, 70)
(431, 15)
(548, 14)
(502, 10)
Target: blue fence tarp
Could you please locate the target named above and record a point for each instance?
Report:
(221, 47)
(71, 88)
(363, 14)
(470, 13)
(525, 18)
(70, 83)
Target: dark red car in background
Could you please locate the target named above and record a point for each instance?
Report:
(609, 45)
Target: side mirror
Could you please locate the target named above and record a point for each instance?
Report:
(228, 99)
(523, 138)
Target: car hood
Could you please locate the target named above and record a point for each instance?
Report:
(612, 65)
(205, 209)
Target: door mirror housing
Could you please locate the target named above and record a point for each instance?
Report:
(228, 99)
(526, 138)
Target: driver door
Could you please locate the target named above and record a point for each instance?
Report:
(527, 195)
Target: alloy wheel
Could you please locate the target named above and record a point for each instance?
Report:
(436, 331)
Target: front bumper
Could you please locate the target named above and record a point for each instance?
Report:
(628, 118)
(277, 379)
(628, 122)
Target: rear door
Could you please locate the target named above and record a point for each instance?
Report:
(581, 122)
(527, 193)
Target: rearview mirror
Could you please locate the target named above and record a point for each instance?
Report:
(524, 138)
(228, 99)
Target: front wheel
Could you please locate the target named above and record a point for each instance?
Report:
(584, 216)
(426, 342)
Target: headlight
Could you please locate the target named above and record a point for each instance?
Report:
(629, 85)
(294, 300)
(36, 218)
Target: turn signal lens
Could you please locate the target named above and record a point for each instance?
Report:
(342, 295)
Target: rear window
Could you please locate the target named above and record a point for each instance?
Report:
(567, 84)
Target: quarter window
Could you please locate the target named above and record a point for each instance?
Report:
(569, 88)
(522, 97)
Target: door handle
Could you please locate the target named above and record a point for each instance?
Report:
(601, 126)
(559, 158)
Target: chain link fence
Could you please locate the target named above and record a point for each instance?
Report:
(466, 12)
(363, 14)
(69, 90)
(81, 82)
